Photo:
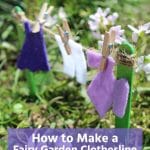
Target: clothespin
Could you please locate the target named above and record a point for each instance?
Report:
(105, 51)
(48, 12)
(108, 46)
(65, 35)
(40, 19)
(67, 28)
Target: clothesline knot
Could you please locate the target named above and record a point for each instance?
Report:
(125, 59)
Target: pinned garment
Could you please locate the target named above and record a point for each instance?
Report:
(33, 54)
(105, 91)
(75, 63)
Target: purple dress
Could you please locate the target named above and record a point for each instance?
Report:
(105, 91)
(33, 54)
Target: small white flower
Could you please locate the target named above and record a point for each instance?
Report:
(142, 65)
(135, 37)
(101, 18)
(146, 68)
(96, 34)
(119, 34)
(93, 23)
(104, 13)
(100, 44)
(136, 32)
(112, 18)
(140, 62)
(145, 27)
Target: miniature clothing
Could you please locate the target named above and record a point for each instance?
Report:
(75, 63)
(33, 54)
(105, 91)
(68, 62)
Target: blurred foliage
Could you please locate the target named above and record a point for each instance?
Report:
(62, 102)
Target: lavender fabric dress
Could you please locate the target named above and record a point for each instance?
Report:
(33, 54)
(105, 91)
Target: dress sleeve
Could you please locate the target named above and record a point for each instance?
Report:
(27, 27)
(93, 59)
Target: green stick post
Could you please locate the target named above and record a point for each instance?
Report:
(126, 72)
(31, 82)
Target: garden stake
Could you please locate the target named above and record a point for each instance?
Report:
(127, 72)
(31, 82)
(29, 75)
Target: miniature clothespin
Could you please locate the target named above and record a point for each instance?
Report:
(40, 18)
(49, 11)
(108, 46)
(105, 51)
(65, 34)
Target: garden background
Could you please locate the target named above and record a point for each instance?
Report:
(62, 102)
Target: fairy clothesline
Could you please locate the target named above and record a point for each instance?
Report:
(106, 49)
(70, 67)
(122, 85)
(26, 61)
(116, 54)
(19, 13)
(21, 16)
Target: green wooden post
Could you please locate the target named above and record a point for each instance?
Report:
(29, 75)
(126, 72)
(31, 82)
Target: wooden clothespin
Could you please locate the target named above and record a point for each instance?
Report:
(108, 46)
(65, 35)
(40, 19)
(67, 28)
(48, 12)
(105, 51)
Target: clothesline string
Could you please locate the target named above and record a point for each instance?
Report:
(53, 34)
(23, 17)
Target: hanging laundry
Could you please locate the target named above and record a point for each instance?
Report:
(33, 54)
(105, 91)
(68, 62)
(75, 63)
